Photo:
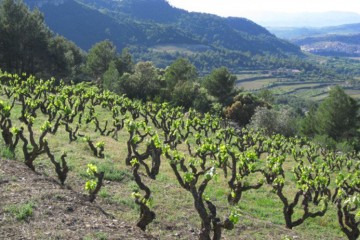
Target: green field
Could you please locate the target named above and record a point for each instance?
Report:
(256, 84)
(283, 86)
(354, 93)
(183, 48)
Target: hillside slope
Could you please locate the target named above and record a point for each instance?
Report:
(58, 212)
(86, 26)
(139, 24)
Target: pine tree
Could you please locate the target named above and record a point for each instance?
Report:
(221, 84)
(337, 115)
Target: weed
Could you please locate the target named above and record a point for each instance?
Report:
(114, 174)
(87, 237)
(7, 153)
(96, 236)
(101, 236)
(104, 193)
(21, 211)
(111, 172)
(134, 187)
(126, 202)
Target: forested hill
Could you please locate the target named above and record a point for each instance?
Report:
(153, 23)
(87, 26)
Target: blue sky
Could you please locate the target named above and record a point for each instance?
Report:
(255, 8)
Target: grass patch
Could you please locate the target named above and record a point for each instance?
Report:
(21, 211)
(101, 236)
(7, 153)
(128, 202)
(104, 193)
(96, 236)
(257, 84)
(112, 173)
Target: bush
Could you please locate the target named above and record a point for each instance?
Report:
(281, 121)
(243, 108)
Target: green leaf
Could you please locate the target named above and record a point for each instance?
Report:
(91, 169)
(100, 144)
(46, 126)
(134, 162)
(189, 177)
(90, 185)
(235, 216)
(15, 130)
(136, 139)
(135, 195)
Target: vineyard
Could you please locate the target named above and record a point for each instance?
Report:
(166, 156)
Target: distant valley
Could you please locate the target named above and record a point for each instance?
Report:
(337, 41)
(301, 32)
(332, 45)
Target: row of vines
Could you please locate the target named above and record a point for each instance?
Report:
(199, 149)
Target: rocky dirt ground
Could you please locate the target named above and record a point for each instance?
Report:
(58, 212)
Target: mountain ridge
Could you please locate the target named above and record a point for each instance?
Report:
(144, 24)
(294, 32)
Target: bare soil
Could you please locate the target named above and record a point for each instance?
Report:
(58, 212)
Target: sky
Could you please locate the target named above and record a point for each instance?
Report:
(255, 8)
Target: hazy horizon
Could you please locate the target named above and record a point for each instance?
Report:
(276, 11)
